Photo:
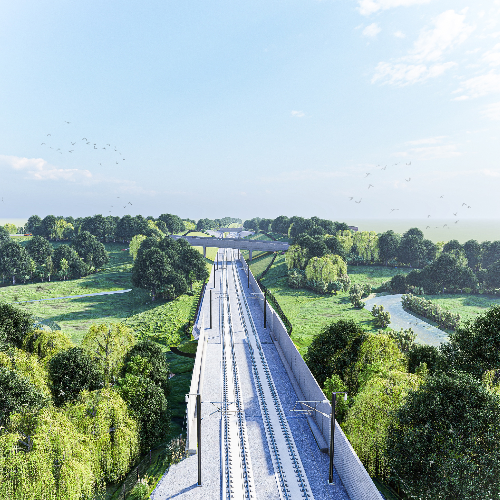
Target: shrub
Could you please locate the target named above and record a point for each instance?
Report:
(432, 311)
(70, 372)
(46, 343)
(382, 318)
(398, 283)
(404, 339)
(296, 278)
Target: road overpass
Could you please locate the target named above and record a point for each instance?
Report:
(250, 245)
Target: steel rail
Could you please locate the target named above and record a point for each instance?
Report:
(289, 487)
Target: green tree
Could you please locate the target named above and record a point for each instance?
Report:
(108, 345)
(475, 345)
(151, 270)
(173, 223)
(45, 457)
(280, 225)
(148, 405)
(15, 324)
(472, 251)
(371, 415)
(156, 367)
(335, 350)
(17, 393)
(39, 249)
(490, 253)
(104, 416)
(70, 372)
(388, 244)
(445, 441)
(33, 224)
(428, 354)
(326, 269)
(296, 257)
(135, 245)
(125, 228)
(28, 366)
(92, 251)
(493, 275)
(46, 343)
(14, 261)
(4, 235)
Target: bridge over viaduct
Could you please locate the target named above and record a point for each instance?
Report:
(250, 245)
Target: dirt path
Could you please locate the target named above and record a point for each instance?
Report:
(426, 334)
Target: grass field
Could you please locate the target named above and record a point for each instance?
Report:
(468, 306)
(160, 320)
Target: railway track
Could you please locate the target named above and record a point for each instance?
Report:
(237, 470)
(290, 475)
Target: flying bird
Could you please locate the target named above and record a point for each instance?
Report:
(442, 196)
(445, 225)
(67, 122)
(367, 174)
(428, 227)
(384, 167)
(409, 163)
(468, 206)
(84, 139)
(108, 145)
(392, 209)
(351, 198)
(455, 214)
(408, 180)
(42, 144)
(71, 151)
(358, 201)
(456, 221)
(129, 203)
(428, 216)
(370, 185)
(73, 143)
(48, 134)
(464, 204)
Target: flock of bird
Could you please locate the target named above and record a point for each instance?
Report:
(86, 142)
(351, 198)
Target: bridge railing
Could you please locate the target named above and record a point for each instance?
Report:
(352, 472)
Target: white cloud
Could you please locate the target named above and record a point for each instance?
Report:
(298, 114)
(40, 169)
(492, 111)
(430, 140)
(372, 30)
(423, 60)
(367, 7)
(399, 34)
(448, 32)
(492, 57)
(479, 86)
(490, 173)
(405, 74)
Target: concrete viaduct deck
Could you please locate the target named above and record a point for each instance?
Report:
(250, 245)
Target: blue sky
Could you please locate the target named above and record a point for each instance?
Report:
(260, 108)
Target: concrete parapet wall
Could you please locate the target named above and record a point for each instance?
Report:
(196, 379)
(352, 472)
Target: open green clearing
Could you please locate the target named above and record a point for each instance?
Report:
(161, 321)
(309, 312)
(468, 306)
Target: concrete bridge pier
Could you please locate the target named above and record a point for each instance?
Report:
(205, 252)
(250, 256)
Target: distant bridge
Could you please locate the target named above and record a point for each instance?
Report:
(250, 245)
